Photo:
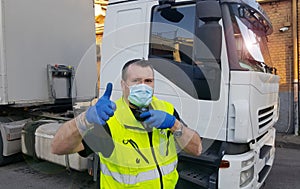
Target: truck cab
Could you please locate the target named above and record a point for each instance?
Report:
(212, 63)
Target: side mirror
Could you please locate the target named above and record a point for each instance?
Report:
(209, 33)
(208, 10)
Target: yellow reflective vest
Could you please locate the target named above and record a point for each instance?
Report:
(140, 159)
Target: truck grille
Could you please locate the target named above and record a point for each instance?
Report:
(265, 116)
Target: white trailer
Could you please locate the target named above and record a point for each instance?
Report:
(211, 61)
(46, 48)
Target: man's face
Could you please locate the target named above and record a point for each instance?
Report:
(137, 75)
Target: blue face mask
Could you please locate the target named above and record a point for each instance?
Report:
(140, 95)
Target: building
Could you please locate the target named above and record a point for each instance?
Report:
(284, 49)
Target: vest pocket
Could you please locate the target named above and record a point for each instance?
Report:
(136, 147)
(164, 142)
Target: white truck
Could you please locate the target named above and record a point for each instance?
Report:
(211, 61)
(210, 58)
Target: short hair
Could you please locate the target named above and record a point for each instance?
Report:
(139, 62)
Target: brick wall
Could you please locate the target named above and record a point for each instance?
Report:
(281, 50)
(281, 43)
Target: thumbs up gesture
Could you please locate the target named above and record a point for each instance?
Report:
(103, 109)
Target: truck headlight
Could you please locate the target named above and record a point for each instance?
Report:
(247, 162)
(246, 176)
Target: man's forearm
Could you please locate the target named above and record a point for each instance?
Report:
(67, 140)
(190, 141)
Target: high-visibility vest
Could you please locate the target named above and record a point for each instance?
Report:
(140, 159)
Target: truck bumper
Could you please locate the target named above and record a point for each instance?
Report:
(250, 169)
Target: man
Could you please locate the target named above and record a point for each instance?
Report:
(143, 129)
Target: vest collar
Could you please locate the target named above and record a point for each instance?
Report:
(126, 118)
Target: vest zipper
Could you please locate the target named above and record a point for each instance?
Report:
(154, 157)
(136, 147)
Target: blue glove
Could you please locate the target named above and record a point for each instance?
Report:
(103, 109)
(158, 119)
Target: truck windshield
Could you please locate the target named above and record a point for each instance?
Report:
(251, 40)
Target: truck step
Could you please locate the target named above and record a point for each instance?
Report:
(263, 173)
(197, 172)
(196, 177)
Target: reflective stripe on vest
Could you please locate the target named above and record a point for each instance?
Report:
(142, 176)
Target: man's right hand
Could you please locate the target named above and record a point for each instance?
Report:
(103, 109)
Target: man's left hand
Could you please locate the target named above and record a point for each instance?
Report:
(158, 119)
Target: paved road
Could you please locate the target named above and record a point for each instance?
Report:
(35, 175)
(285, 173)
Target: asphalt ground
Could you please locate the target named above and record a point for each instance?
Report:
(33, 174)
(287, 141)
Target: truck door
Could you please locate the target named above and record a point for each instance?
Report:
(191, 65)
